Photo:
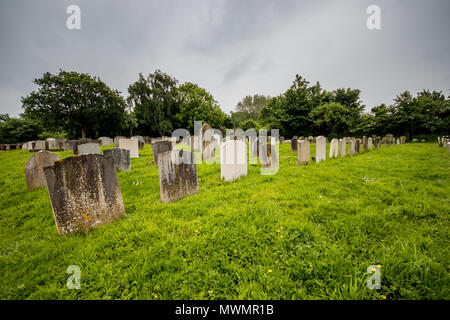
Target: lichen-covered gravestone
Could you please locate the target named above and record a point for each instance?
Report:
(34, 169)
(321, 148)
(303, 152)
(121, 157)
(130, 144)
(89, 148)
(160, 146)
(233, 160)
(177, 175)
(351, 147)
(84, 192)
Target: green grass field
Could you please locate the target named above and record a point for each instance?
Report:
(307, 232)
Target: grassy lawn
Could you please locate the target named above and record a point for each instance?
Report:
(307, 232)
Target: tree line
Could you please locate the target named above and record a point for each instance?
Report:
(305, 110)
(72, 105)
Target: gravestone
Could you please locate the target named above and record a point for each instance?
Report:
(402, 139)
(34, 169)
(364, 143)
(351, 147)
(39, 145)
(121, 157)
(84, 192)
(294, 144)
(268, 157)
(140, 138)
(89, 148)
(303, 152)
(369, 144)
(130, 144)
(320, 148)
(334, 148)
(207, 142)
(50, 143)
(358, 146)
(160, 146)
(253, 142)
(233, 160)
(177, 175)
(70, 145)
(141, 143)
(342, 147)
(116, 140)
(106, 141)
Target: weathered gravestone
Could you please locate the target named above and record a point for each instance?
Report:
(364, 143)
(34, 169)
(177, 175)
(89, 148)
(50, 143)
(121, 157)
(160, 146)
(130, 144)
(334, 148)
(106, 141)
(342, 147)
(253, 142)
(233, 160)
(303, 152)
(84, 192)
(294, 143)
(39, 145)
(267, 154)
(351, 147)
(141, 143)
(320, 148)
(369, 144)
(117, 139)
(358, 146)
(207, 142)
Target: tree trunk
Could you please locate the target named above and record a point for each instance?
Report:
(83, 133)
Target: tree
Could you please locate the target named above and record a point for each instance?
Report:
(197, 104)
(331, 119)
(76, 103)
(155, 101)
(130, 122)
(16, 130)
(250, 124)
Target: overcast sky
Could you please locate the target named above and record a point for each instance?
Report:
(231, 48)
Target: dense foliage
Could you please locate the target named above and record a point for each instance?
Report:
(75, 103)
(72, 104)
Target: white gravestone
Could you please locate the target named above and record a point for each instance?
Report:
(321, 148)
(334, 148)
(233, 160)
(130, 144)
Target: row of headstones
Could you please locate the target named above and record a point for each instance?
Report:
(338, 148)
(84, 189)
(444, 141)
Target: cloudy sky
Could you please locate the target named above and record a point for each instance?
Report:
(232, 48)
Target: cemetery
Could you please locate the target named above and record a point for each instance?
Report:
(332, 205)
(248, 153)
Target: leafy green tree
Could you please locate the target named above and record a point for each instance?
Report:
(131, 122)
(76, 103)
(17, 130)
(250, 124)
(197, 104)
(155, 102)
(331, 119)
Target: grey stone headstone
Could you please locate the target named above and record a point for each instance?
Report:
(358, 146)
(160, 146)
(177, 175)
(364, 142)
(89, 148)
(342, 147)
(233, 160)
(294, 143)
(121, 157)
(84, 192)
(39, 145)
(34, 169)
(303, 152)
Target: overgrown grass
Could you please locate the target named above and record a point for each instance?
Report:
(307, 232)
